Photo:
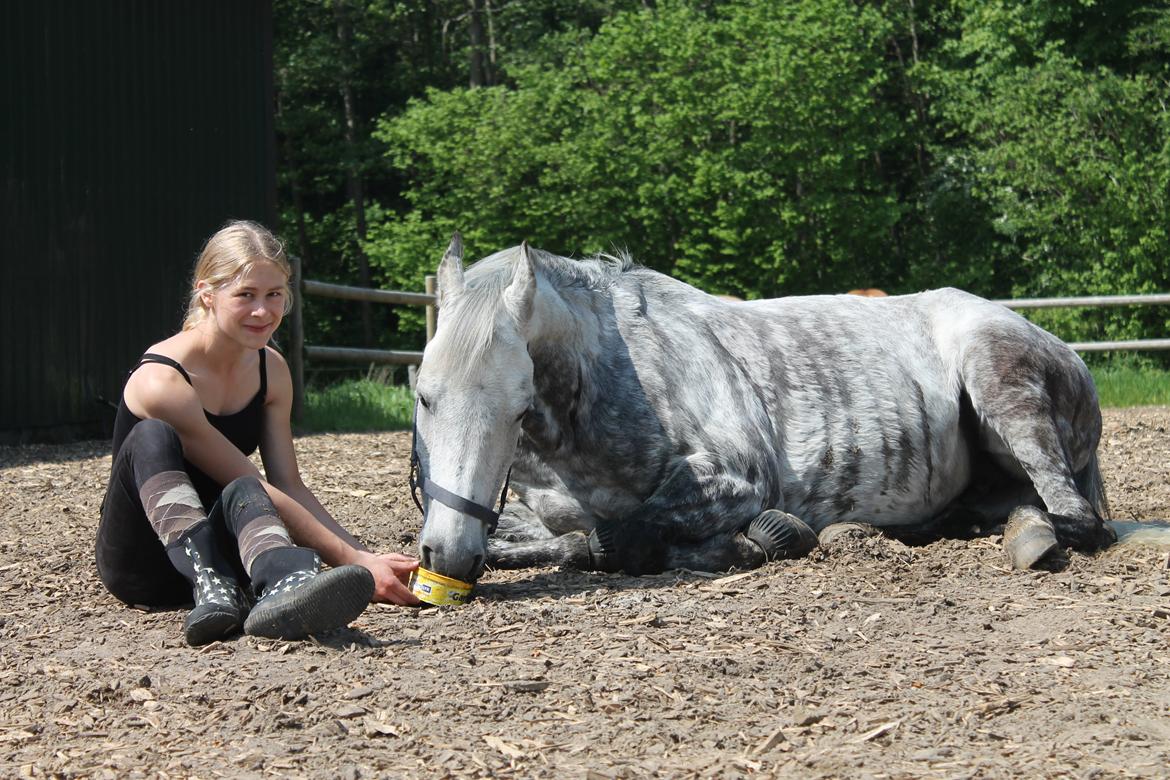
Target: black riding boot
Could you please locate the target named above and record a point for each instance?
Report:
(296, 598)
(293, 597)
(220, 607)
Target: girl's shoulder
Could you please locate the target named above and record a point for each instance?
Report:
(275, 360)
(159, 390)
(164, 382)
(279, 377)
(180, 348)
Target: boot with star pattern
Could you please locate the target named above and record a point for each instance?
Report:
(220, 606)
(296, 600)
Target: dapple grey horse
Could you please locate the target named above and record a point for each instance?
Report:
(647, 425)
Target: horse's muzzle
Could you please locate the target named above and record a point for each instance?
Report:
(453, 548)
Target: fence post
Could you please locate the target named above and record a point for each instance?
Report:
(296, 343)
(429, 287)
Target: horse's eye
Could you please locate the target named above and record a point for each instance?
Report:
(422, 399)
(522, 415)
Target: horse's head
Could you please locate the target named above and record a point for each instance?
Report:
(473, 389)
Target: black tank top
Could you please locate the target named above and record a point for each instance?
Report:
(243, 428)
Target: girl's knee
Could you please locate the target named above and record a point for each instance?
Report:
(243, 487)
(152, 446)
(243, 498)
(153, 435)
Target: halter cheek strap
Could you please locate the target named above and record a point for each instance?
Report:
(420, 483)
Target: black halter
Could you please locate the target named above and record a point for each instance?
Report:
(419, 482)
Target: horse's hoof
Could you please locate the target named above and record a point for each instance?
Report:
(781, 535)
(603, 549)
(832, 533)
(1029, 539)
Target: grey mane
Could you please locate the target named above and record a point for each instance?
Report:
(596, 272)
(473, 314)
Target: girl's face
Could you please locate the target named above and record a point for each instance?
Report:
(249, 310)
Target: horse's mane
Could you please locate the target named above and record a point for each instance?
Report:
(472, 314)
(595, 272)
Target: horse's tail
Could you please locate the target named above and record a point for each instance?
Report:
(1092, 487)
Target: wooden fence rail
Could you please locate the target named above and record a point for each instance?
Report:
(299, 351)
(328, 290)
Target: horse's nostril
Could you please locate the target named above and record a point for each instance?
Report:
(426, 556)
(476, 569)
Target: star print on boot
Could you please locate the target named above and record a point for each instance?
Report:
(311, 602)
(219, 605)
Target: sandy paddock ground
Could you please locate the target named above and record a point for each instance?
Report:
(867, 659)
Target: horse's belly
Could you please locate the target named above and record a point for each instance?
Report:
(890, 471)
(871, 501)
(866, 410)
(920, 502)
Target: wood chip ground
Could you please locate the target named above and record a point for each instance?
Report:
(867, 659)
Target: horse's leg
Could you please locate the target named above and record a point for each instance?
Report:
(699, 499)
(1038, 403)
(698, 510)
(546, 527)
(636, 547)
(570, 550)
(519, 523)
(981, 510)
(640, 549)
(719, 553)
(771, 535)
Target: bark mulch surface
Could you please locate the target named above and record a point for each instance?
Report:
(867, 659)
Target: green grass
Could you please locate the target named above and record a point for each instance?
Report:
(367, 405)
(1132, 386)
(358, 405)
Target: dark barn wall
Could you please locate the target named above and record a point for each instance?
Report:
(129, 131)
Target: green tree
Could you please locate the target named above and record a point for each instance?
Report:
(1061, 137)
(747, 146)
(340, 65)
(736, 147)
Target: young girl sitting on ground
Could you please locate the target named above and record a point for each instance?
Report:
(187, 514)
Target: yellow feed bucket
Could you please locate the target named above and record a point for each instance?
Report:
(439, 590)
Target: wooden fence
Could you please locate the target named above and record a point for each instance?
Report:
(298, 351)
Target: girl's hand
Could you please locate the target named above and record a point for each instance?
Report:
(391, 573)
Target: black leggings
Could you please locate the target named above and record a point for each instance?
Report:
(131, 560)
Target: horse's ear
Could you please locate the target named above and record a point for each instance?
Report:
(451, 269)
(521, 292)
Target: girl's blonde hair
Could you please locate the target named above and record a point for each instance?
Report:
(230, 254)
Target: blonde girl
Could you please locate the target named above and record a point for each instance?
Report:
(187, 516)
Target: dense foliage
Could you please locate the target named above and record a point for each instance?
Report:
(762, 148)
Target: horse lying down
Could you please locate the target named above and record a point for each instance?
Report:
(647, 425)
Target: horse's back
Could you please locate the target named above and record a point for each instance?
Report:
(942, 324)
(884, 399)
(861, 407)
(858, 408)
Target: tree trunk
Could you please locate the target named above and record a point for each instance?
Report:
(491, 32)
(354, 186)
(290, 165)
(478, 66)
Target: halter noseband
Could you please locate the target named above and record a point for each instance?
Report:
(420, 482)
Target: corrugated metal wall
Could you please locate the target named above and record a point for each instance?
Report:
(129, 131)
